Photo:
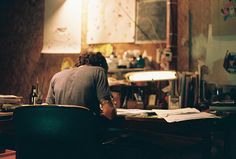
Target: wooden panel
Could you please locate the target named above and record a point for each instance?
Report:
(183, 35)
(171, 30)
(194, 19)
(201, 18)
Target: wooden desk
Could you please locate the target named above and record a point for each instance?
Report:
(192, 135)
(187, 133)
(189, 127)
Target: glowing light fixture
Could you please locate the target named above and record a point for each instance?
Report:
(150, 76)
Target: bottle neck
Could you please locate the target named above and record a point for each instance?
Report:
(34, 91)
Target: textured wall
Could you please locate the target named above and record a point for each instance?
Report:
(194, 19)
(201, 18)
(208, 48)
(21, 62)
(20, 45)
(183, 35)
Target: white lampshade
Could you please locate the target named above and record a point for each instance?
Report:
(145, 76)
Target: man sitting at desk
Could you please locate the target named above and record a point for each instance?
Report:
(85, 85)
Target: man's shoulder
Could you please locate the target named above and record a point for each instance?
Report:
(63, 73)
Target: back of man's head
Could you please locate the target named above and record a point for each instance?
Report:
(93, 59)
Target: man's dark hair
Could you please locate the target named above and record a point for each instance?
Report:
(93, 59)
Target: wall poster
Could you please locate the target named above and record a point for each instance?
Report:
(62, 26)
(111, 21)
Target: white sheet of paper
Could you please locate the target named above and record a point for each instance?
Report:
(164, 113)
(183, 117)
(170, 116)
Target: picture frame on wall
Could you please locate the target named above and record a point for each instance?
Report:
(150, 21)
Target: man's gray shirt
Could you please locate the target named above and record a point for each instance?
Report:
(84, 86)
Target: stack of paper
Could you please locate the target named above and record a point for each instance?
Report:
(164, 113)
(183, 114)
(170, 116)
(183, 117)
(10, 99)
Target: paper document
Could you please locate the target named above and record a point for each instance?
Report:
(164, 113)
(183, 117)
(170, 116)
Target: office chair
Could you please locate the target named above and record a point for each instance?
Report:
(55, 132)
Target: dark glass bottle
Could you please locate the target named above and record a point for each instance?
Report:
(33, 95)
(140, 62)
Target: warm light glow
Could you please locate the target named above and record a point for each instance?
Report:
(62, 26)
(150, 76)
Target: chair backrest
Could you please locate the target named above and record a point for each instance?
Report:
(55, 132)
